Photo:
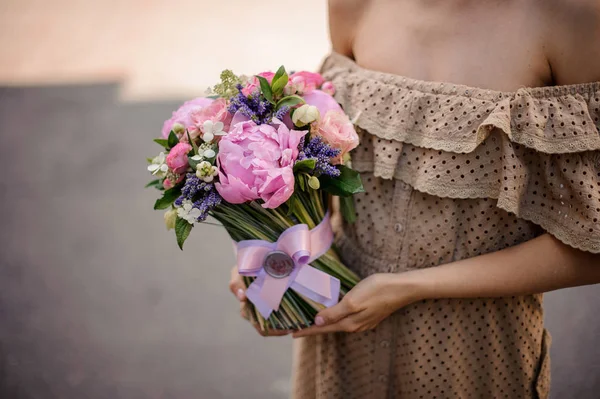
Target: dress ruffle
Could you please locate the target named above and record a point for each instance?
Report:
(537, 150)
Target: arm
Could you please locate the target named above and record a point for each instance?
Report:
(540, 265)
(343, 18)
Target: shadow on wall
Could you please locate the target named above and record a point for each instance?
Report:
(97, 301)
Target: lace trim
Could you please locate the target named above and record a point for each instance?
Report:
(583, 242)
(456, 118)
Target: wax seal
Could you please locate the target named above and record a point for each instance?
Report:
(278, 264)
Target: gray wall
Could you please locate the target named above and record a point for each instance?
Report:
(96, 301)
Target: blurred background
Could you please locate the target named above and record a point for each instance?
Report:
(96, 300)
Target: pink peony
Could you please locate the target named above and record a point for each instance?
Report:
(177, 159)
(183, 115)
(305, 82)
(253, 84)
(256, 161)
(324, 102)
(215, 112)
(337, 131)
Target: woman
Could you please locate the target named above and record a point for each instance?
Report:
(481, 194)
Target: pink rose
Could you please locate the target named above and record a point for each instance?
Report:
(183, 115)
(305, 82)
(177, 159)
(256, 161)
(216, 112)
(337, 131)
(324, 102)
(253, 84)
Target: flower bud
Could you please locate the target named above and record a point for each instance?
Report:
(305, 115)
(178, 128)
(328, 88)
(170, 218)
(314, 183)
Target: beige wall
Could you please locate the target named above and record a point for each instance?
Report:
(160, 48)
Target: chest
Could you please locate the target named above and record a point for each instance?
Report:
(496, 45)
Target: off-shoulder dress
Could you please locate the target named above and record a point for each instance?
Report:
(452, 172)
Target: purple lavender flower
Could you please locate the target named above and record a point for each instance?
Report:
(322, 153)
(203, 195)
(258, 109)
(281, 112)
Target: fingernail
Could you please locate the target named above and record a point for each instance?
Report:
(319, 321)
(240, 294)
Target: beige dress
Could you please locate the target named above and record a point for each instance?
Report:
(452, 172)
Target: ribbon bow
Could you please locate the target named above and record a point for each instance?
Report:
(285, 264)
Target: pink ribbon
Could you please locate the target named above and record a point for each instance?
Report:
(302, 246)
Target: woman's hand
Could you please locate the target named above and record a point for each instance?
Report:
(238, 288)
(366, 305)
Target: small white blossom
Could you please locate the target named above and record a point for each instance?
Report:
(206, 171)
(210, 153)
(187, 212)
(211, 129)
(205, 151)
(158, 166)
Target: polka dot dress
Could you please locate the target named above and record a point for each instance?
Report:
(452, 172)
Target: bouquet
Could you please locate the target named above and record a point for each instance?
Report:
(263, 155)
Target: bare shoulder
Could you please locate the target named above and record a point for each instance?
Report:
(344, 15)
(573, 39)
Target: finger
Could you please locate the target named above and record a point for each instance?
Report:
(335, 313)
(244, 310)
(347, 324)
(236, 285)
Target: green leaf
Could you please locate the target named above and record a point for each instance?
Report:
(301, 182)
(193, 163)
(173, 140)
(163, 142)
(265, 87)
(279, 81)
(182, 231)
(168, 198)
(289, 101)
(347, 209)
(192, 142)
(347, 183)
(149, 160)
(306, 165)
(293, 204)
(153, 183)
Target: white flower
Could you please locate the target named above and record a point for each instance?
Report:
(206, 171)
(187, 212)
(158, 166)
(211, 129)
(204, 153)
(305, 114)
